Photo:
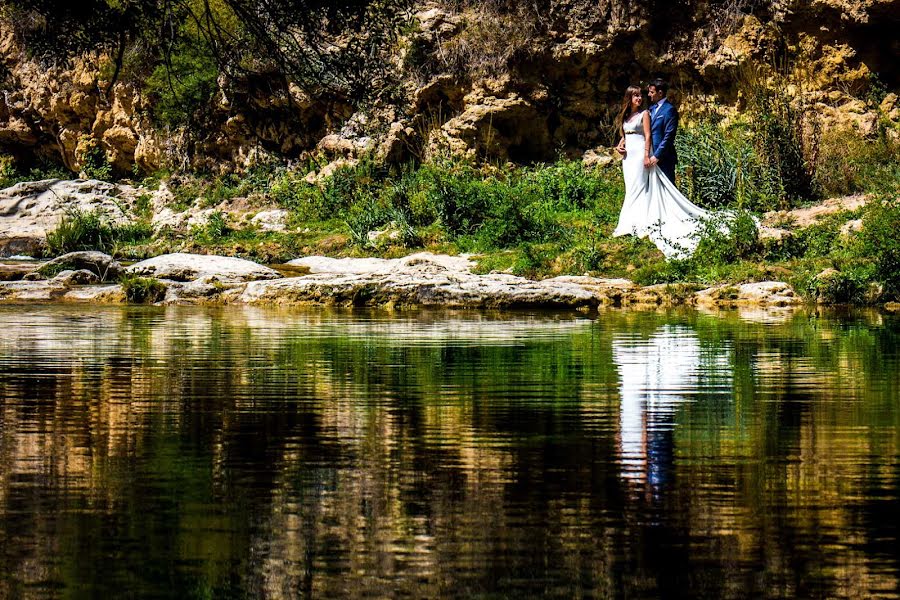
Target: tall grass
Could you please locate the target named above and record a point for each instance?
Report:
(719, 167)
(93, 230)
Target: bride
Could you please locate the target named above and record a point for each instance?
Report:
(653, 206)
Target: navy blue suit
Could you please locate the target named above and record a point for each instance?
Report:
(663, 126)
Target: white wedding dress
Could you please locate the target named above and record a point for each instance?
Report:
(653, 206)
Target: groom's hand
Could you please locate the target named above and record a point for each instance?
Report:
(650, 162)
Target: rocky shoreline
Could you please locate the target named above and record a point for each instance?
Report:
(418, 280)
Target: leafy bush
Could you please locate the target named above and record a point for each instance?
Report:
(213, 231)
(568, 185)
(879, 242)
(95, 162)
(8, 171)
(848, 286)
(12, 172)
(365, 217)
(728, 237)
(143, 289)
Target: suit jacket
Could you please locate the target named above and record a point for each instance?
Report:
(663, 126)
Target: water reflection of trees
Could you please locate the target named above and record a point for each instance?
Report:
(325, 454)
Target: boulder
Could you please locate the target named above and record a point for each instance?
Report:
(761, 293)
(69, 278)
(271, 220)
(191, 267)
(103, 266)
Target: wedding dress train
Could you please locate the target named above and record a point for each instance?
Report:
(653, 206)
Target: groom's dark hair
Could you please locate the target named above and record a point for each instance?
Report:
(661, 85)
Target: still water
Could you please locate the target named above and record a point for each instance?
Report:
(221, 453)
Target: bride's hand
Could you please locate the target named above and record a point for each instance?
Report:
(621, 147)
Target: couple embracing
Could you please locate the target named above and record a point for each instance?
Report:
(653, 206)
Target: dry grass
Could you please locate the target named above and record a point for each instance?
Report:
(493, 35)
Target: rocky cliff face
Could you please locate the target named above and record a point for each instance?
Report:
(514, 81)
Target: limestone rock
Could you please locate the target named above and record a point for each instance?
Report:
(597, 157)
(763, 293)
(103, 266)
(270, 220)
(95, 294)
(206, 290)
(31, 291)
(317, 177)
(192, 267)
(422, 261)
(69, 278)
(508, 128)
(29, 210)
(810, 215)
(15, 272)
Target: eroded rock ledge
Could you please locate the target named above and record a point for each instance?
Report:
(422, 279)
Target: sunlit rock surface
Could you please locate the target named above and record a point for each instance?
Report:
(772, 293)
(190, 267)
(29, 210)
(417, 280)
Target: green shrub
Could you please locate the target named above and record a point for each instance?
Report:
(213, 231)
(8, 172)
(879, 242)
(849, 163)
(727, 238)
(365, 217)
(143, 289)
(460, 200)
(92, 230)
(96, 164)
(847, 286)
(12, 172)
(568, 185)
(81, 230)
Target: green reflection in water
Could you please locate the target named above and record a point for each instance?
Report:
(186, 452)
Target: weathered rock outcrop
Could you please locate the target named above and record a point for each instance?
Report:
(28, 211)
(518, 81)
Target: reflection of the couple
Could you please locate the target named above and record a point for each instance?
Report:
(658, 374)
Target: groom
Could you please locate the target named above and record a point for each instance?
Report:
(663, 127)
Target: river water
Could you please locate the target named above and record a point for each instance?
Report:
(219, 453)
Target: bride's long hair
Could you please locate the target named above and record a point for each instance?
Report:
(626, 107)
